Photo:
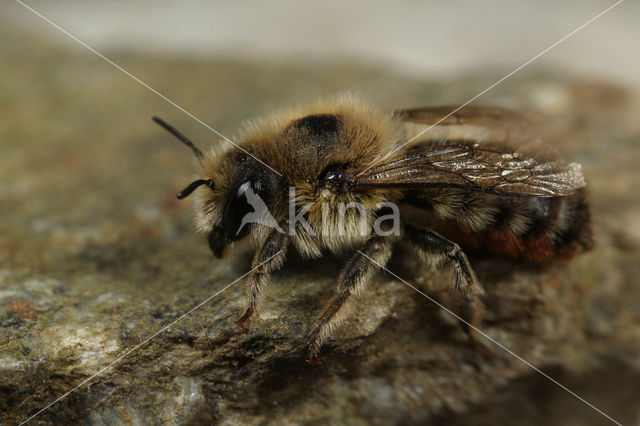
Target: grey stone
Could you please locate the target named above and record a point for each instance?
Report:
(96, 256)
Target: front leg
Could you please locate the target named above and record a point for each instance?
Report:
(353, 280)
(270, 257)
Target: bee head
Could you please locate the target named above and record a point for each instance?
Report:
(245, 196)
(240, 192)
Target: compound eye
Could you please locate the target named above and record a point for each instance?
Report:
(236, 209)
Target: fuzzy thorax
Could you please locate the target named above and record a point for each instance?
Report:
(293, 147)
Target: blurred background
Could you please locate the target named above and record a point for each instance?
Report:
(417, 38)
(96, 253)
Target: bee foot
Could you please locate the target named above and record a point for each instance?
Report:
(315, 360)
(242, 325)
(243, 320)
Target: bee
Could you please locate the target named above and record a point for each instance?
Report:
(478, 179)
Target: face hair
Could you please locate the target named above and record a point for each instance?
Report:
(192, 187)
(180, 136)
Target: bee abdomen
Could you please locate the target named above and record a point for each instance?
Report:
(532, 228)
(541, 229)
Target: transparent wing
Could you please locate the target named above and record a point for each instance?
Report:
(512, 165)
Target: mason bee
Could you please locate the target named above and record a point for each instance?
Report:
(479, 179)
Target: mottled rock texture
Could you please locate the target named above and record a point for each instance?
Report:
(96, 255)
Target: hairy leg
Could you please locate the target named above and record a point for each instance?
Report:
(353, 280)
(438, 251)
(270, 257)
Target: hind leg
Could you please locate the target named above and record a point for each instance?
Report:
(438, 251)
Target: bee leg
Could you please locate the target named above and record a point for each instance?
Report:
(438, 251)
(353, 280)
(270, 258)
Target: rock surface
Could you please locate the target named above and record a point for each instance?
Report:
(96, 256)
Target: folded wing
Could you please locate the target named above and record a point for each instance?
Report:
(512, 165)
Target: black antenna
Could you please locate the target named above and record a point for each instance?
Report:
(192, 187)
(169, 128)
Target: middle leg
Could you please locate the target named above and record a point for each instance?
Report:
(353, 280)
